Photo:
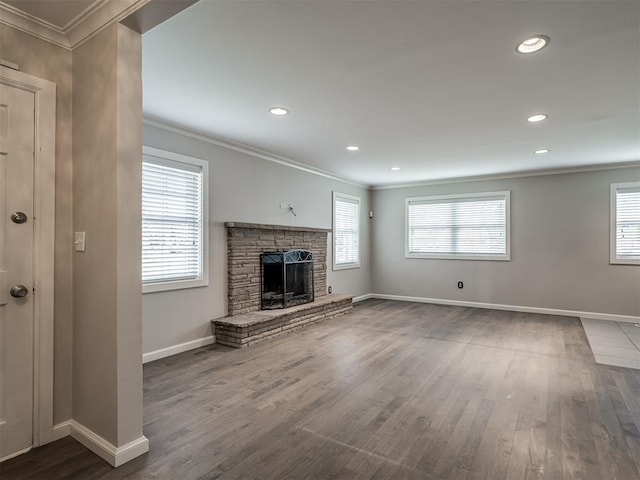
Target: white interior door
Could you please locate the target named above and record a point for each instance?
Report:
(17, 137)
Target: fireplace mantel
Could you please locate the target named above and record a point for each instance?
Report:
(266, 226)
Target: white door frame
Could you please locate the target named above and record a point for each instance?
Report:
(44, 234)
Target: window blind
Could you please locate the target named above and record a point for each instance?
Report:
(458, 226)
(627, 228)
(346, 230)
(172, 217)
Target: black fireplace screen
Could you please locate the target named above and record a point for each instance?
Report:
(286, 278)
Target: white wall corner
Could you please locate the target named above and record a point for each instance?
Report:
(113, 455)
(175, 349)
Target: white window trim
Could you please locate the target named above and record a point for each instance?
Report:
(503, 258)
(352, 198)
(203, 281)
(613, 258)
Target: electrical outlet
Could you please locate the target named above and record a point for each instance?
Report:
(330, 289)
(460, 285)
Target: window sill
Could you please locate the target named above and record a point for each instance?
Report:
(169, 286)
(493, 258)
(346, 266)
(624, 261)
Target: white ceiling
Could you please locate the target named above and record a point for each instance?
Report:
(59, 13)
(433, 87)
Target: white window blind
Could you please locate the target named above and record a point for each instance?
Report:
(625, 227)
(472, 226)
(346, 231)
(173, 231)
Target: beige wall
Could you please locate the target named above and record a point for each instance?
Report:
(559, 248)
(94, 188)
(244, 189)
(53, 63)
(107, 149)
(129, 237)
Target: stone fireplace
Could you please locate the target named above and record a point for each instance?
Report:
(246, 242)
(295, 253)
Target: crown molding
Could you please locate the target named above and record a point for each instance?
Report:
(31, 25)
(83, 14)
(523, 174)
(246, 149)
(105, 13)
(265, 155)
(92, 20)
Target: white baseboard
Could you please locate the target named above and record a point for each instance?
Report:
(513, 308)
(610, 316)
(362, 298)
(15, 454)
(61, 430)
(115, 456)
(131, 450)
(175, 349)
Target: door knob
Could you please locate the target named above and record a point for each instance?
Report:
(18, 217)
(18, 291)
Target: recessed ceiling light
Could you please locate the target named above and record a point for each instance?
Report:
(538, 117)
(353, 148)
(395, 169)
(278, 111)
(533, 44)
(542, 150)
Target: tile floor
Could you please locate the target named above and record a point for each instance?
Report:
(614, 343)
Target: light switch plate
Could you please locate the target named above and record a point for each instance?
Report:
(79, 241)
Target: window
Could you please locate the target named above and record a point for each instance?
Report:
(346, 231)
(174, 221)
(625, 223)
(464, 227)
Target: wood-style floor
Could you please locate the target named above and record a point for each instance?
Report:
(393, 390)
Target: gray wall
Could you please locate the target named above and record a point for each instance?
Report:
(243, 188)
(559, 248)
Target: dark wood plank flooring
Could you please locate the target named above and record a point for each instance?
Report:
(393, 390)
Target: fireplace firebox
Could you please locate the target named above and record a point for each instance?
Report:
(286, 278)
